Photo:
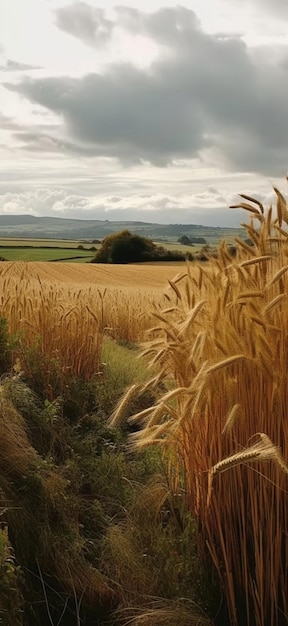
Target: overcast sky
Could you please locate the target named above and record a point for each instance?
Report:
(146, 110)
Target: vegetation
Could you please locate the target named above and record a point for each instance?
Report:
(74, 251)
(154, 515)
(67, 484)
(187, 240)
(222, 421)
(59, 314)
(44, 254)
(124, 247)
(68, 492)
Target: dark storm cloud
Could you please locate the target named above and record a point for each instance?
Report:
(125, 113)
(206, 91)
(85, 22)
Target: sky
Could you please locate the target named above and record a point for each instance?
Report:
(148, 110)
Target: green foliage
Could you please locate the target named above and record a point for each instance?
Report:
(124, 247)
(130, 250)
(121, 368)
(189, 240)
(185, 240)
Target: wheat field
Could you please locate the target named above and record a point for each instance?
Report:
(223, 423)
(61, 312)
(154, 275)
(219, 338)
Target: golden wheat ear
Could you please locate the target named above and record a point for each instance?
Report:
(263, 450)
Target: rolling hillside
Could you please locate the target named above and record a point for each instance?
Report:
(55, 227)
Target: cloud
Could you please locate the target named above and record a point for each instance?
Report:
(206, 95)
(90, 24)
(15, 66)
(276, 7)
(202, 208)
(85, 22)
(124, 113)
(167, 26)
(43, 142)
(8, 123)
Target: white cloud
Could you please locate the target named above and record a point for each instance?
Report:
(212, 109)
(210, 207)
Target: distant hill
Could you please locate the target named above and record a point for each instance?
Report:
(62, 228)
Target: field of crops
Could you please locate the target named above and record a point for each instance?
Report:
(218, 336)
(136, 276)
(179, 247)
(67, 309)
(224, 424)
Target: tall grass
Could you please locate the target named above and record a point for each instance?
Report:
(221, 350)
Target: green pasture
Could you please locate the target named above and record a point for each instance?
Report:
(44, 254)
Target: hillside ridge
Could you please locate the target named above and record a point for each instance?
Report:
(67, 228)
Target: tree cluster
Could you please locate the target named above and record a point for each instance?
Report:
(125, 247)
(186, 240)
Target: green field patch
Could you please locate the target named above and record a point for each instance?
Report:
(44, 254)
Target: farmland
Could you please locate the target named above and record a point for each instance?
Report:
(42, 296)
(41, 243)
(130, 460)
(136, 276)
(44, 250)
(43, 254)
(29, 249)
